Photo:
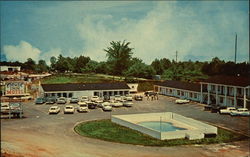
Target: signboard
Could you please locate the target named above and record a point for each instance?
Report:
(14, 88)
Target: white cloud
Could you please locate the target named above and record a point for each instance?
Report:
(165, 29)
(52, 52)
(21, 52)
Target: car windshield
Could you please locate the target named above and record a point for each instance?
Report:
(68, 107)
(53, 108)
(39, 99)
(83, 105)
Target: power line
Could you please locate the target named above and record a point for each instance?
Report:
(176, 55)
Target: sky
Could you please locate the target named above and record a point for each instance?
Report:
(197, 30)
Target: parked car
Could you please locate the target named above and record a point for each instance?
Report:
(74, 100)
(81, 101)
(228, 110)
(181, 101)
(85, 98)
(91, 105)
(61, 100)
(16, 109)
(27, 97)
(5, 107)
(99, 103)
(240, 112)
(106, 106)
(138, 98)
(40, 100)
(128, 104)
(217, 108)
(54, 110)
(116, 103)
(129, 98)
(94, 98)
(50, 100)
(83, 108)
(117, 98)
(69, 109)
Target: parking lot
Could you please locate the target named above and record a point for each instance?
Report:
(41, 134)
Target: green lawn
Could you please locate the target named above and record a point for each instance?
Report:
(108, 131)
(81, 78)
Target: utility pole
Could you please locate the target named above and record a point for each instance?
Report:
(176, 54)
(235, 49)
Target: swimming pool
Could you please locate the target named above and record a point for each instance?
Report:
(160, 126)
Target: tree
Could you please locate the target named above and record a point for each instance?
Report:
(91, 66)
(119, 55)
(157, 65)
(81, 62)
(30, 64)
(41, 66)
(52, 63)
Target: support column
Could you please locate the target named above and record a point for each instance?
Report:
(208, 94)
(201, 96)
(245, 98)
(235, 100)
(216, 94)
(225, 98)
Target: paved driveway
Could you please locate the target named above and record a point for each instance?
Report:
(42, 135)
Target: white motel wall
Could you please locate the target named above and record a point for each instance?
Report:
(195, 129)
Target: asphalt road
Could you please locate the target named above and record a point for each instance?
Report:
(42, 135)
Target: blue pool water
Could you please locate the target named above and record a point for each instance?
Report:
(160, 126)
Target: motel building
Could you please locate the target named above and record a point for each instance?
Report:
(84, 89)
(226, 91)
(183, 90)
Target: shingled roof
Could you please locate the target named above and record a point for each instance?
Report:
(84, 86)
(180, 85)
(229, 80)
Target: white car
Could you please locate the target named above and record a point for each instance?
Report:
(129, 98)
(228, 110)
(106, 106)
(128, 104)
(5, 107)
(69, 109)
(94, 98)
(117, 98)
(182, 101)
(117, 104)
(82, 101)
(54, 110)
(240, 112)
(61, 100)
(85, 98)
(83, 108)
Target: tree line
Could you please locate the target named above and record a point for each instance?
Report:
(120, 62)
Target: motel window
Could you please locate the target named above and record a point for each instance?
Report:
(121, 92)
(65, 95)
(190, 95)
(115, 92)
(195, 95)
(126, 92)
(221, 99)
(178, 92)
(58, 94)
(182, 93)
(110, 93)
(70, 95)
(96, 93)
(53, 94)
(170, 91)
(105, 93)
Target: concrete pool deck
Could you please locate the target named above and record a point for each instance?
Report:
(195, 129)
